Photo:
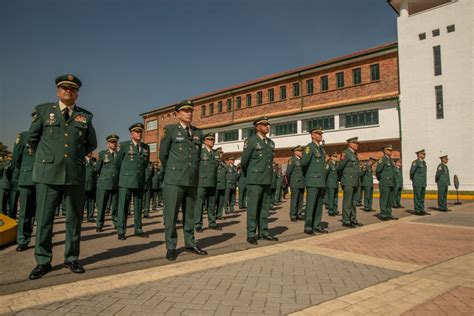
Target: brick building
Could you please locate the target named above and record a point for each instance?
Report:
(352, 95)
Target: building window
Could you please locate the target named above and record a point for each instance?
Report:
(211, 109)
(152, 147)
(296, 89)
(451, 28)
(282, 92)
(437, 60)
(249, 131)
(284, 129)
(435, 32)
(203, 110)
(325, 122)
(271, 95)
(259, 97)
(150, 125)
(356, 76)
(309, 86)
(422, 36)
(355, 119)
(374, 72)
(324, 83)
(229, 105)
(229, 136)
(219, 107)
(439, 102)
(340, 80)
(249, 100)
(239, 102)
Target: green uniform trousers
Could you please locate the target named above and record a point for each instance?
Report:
(125, 195)
(258, 209)
(419, 198)
(175, 197)
(27, 214)
(157, 198)
(205, 194)
(13, 203)
(349, 201)
(443, 197)
(230, 200)
(397, 197)
(3, 200)
(359, 195)
(89, 203)
(103, 198)
(278, 194)
(386, 200)
(48, 198)
(368, 191)
(220, 202)
(242, 197)
(148, 196)
(295, 205)
(314, 208)
(332, 199)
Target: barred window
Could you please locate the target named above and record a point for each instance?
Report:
(362, 118)
(229, 136)
(150, 125)
(325, 122)
(284, 129)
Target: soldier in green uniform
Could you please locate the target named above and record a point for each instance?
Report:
(90, 188)
(207, 184)
(443, 181)
(148, 189)
(132, 160)
(242, 188)
(156, 185)
(256, 164)
(107, 182)
(62, 135)
(385, 172)
(273, 186)
(6, 170)
(180, 152)
(220, 184)
(418, 177)
(397, 195)
(314, 169)
(367, 181)
(332, 185)
(349, 173)
(294, 173)
(279, 185)
(14, 192)
(23, 159)
(231, 177)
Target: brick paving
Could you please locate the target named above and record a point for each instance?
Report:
(450, 218)
(420, 244)
(276, 284)
(458, 301)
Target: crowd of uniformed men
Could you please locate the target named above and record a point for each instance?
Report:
(52, 165)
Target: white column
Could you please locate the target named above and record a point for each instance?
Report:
(404, 8)
(299, 126)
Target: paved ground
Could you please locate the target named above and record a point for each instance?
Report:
(418, 265)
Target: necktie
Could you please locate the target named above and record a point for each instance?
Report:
(187, 131)
(66, 114)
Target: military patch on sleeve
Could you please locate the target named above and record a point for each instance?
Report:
(380, 160)
(18, 139)
(246, 143)
(307, 149)
(164, 132)
(440, 168)
(34, 116)
(414, 163)
(289, 162)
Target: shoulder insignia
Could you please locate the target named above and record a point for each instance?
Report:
(289, 161)
(440, 168)
(18, 139)
(34, 116)
(80, 118)
(414, 163)
(164, 132)
(246, 143)
(307, 149)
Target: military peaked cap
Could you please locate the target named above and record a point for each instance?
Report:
(112, 137)
(261, 120)
(68, 81)
(137, 127)
(187, 104)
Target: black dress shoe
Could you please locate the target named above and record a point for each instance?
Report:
(22, 247)
(252, 240)
(171, 254)
(268, 237)
(142, 234)
(426, 213)
(300, 217)
(293, 219)
(309, 232)
(357, 224)
(179, 221)
(348, 225)
(332, 214)
(199, 230)
(220, 217)
(147, 216)
(121, 237)
(39, 271)
(321, 230)
(74, 266)
(337, 213)
(196, 250)
(217, 227)
(91, 220)
(393, 218)
(98, 229)
(383, 218)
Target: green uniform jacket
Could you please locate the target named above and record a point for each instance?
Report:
(331, 175)
(131, 163)
(348, 168)
(367, 175)
(442, 175)
(107, 171)
(149, 176)
(6, 170)
(180, 154)
(314, 166)
(231, 177)
(208, 168)
(418, 173)
(294, 173)
(221, 178)
(274, 177)
(91, 176)
(156, 180)
(24, 159)
(398, 178)
(61, 146)
(241, 178)
(385, 171)
(256, 160)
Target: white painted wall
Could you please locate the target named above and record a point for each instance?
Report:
(452, 135)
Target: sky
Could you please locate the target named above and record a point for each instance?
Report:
(140, 55)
